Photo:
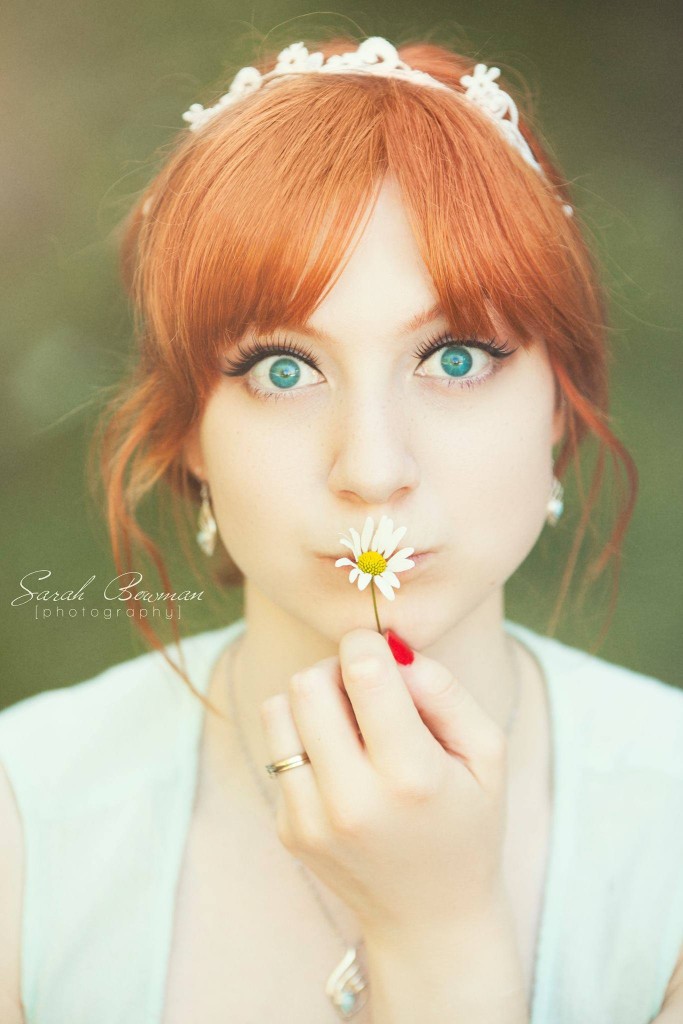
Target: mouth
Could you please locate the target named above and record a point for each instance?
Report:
(420, 558)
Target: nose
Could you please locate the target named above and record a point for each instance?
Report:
(372, 458)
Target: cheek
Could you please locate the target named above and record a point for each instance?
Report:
(497, 486)
(258, 477)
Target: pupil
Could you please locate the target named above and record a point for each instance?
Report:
(456, 361)
(284, 371)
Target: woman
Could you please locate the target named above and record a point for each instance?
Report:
(366, 310)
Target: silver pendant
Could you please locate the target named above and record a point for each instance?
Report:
(346, 985)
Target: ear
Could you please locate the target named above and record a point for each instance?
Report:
(192, 454)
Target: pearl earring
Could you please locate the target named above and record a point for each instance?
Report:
(206, 538)
(555, 502)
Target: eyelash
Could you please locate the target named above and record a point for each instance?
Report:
(259, 350)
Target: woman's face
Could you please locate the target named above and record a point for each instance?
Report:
(376, 431)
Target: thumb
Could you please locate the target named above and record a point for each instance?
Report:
(449, 710)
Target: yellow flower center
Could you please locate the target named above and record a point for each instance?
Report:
(372, 562)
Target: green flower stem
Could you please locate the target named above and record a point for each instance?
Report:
(374, 601)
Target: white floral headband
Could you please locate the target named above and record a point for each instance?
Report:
(377, 56)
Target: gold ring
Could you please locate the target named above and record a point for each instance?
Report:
(287, 763)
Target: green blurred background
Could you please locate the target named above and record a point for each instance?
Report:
(93, 90)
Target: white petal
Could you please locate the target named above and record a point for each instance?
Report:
(384, 586)
(347, 544)
(366, 535)
(398, 564)
(392, 578)
(354, 574)
(365, 578)
(357, 549)
(384, 532)
(393, 542)
(344, 561)
(403, 553)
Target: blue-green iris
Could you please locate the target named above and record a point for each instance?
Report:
(285, 372)
(456, 361)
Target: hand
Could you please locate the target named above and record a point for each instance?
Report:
(401, 812)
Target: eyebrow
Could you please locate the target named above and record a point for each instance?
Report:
(421, 319)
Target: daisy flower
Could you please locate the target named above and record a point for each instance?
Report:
(376, 559)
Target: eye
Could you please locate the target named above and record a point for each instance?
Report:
(283, 372)
(465, 362)
(274, 369)
(278, 364)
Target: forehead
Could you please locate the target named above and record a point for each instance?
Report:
(391, 280)
(414, 324)
(384, 283)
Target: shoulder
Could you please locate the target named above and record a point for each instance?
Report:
(107, 730)
(65, 753)
(618, 717)
(11, 887)
(69, 754)
(623, 734)
(630, 718)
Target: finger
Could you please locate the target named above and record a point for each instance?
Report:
(396, 738)
(452, 713)
(345, 704)
(299, 790)
(327, 725)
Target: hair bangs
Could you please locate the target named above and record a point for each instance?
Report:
(250, 232)
(259, 213)
(492, 234)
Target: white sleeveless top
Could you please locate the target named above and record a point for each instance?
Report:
(104, 773)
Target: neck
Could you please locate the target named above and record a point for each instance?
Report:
(276, 644)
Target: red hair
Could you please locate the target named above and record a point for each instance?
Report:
(221, 242)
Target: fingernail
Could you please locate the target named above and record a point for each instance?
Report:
(399, 648)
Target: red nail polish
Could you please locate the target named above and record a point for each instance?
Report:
(399, 648)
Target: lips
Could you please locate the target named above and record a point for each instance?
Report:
(415, 556)
(421, 559)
